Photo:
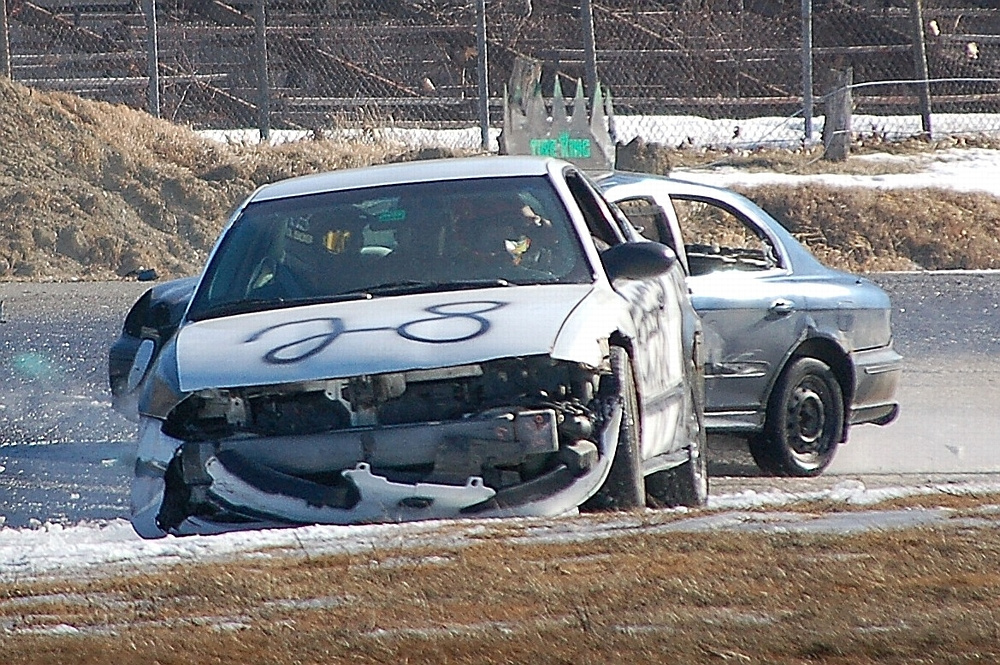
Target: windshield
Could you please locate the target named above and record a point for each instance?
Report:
(389, 240)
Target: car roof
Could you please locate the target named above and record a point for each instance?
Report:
(454, 168)
(673, 185)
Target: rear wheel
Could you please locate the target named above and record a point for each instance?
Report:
(624, 488)
(804, 422)
(687, 484)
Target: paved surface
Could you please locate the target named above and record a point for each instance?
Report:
(62, 451)
(947, 327)
(65, 456)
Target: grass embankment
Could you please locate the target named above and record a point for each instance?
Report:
(863, 229)
(94, 191)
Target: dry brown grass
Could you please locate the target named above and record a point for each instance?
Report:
(869, 230)
(802, 161)
(861, 229)
(918, 595)
(94, 191)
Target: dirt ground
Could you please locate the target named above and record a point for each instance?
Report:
(94, 191)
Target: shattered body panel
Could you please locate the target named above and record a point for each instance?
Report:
(766, 303)
(423, 388)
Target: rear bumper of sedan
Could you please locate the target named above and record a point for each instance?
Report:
(876, 377)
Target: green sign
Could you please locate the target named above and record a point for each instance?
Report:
(563, 147)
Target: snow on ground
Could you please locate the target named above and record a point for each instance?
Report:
(965, 170)
(112, 547)
(690, 131)
(92, 548)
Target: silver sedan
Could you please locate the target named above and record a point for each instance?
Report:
(796, 352)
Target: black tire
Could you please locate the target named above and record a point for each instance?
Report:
(804, 422)
(624, 488)
(687, 484)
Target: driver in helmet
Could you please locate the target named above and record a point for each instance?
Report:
(501, 231)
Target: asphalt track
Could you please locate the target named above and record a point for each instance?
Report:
(65, 455)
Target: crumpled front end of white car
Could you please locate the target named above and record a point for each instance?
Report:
(512, 436)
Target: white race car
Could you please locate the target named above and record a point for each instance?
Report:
(440, 339)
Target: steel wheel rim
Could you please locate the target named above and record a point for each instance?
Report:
(807, 418)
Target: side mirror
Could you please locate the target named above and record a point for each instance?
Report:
(637, 260)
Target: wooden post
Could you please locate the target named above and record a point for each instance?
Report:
(839, 107)
(920, 65)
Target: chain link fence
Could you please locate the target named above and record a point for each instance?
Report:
(723, 73)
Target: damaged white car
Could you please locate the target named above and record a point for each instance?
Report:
(455, 338)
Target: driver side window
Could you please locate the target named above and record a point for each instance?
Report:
(716, 239)
(650, 220)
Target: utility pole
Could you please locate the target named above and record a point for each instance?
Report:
(483, 81)
(152, 57)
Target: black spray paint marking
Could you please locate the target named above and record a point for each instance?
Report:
(461, 313)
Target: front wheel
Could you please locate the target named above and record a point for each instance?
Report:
(624, 488)
(804, 421)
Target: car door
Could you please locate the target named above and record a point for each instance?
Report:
(658, 349)
(738, 277)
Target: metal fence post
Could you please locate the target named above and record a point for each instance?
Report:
(589, 47)
(807, 68)
(263, 89)
(4, 42)
(152, 57)
(920, 65)
(483, 81)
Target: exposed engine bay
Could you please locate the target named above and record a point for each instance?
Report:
(513, 428)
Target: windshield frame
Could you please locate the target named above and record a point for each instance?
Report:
(382, 218)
